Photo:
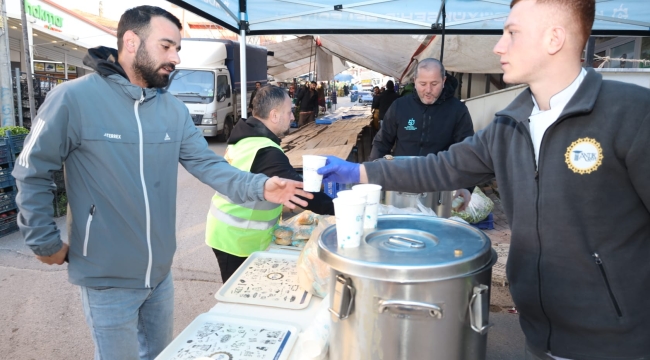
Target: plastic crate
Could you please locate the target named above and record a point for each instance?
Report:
(17, 142)
(6, 179)
(487, 224)
(7, 201)
(10, 229)
(8, 222)
(5, 154)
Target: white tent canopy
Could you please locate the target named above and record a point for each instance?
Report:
(265, 17)
(394, 17)
(390, 55)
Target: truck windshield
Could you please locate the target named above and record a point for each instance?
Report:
(192, 85)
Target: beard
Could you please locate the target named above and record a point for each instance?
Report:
(147, 69)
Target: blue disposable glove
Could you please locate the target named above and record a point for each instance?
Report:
(340, 171)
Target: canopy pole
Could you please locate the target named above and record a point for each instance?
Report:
(442, 46)
(242, 58)
(28, 48)
(315, 59)
(311, 48)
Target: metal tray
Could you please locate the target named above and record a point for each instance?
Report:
(268, 279)
(220, 336)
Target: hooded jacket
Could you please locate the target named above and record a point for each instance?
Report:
(578, 264)
(121, 145)
(270, 161)
(416, 129)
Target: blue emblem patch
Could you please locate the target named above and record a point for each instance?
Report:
(411, 126)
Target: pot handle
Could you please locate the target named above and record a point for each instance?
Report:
(343, 298)
(479, 309)
(401, 307)
(404, 241)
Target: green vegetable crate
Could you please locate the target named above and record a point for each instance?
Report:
(10, 146)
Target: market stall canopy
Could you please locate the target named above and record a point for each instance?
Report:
(478, 17)
(300, 56)
(466, 54)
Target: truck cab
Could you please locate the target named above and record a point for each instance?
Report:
(208, 97)
(206, 82)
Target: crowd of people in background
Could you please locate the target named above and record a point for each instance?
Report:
(312, 98)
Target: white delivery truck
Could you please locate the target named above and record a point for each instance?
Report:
(208, 81)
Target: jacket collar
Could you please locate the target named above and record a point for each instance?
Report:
(582, 102)
(251, 127)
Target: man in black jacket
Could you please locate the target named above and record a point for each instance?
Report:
(308, 97)
(427, 121)
(386, 99)
(561, 151)
(271, 119)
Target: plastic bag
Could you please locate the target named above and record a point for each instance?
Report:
(301, 233)
(419, 209)
(313, 273)
(313, 342)
(478, 209)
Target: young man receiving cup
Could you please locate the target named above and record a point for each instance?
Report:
(234, 231)
(577, 267)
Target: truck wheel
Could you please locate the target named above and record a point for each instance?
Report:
(227, 129)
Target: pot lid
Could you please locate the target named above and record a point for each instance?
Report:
(410, 248)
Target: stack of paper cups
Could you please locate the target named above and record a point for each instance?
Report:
(349, 210)
(373, 193)
(311, 180)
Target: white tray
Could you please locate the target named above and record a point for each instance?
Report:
(222, 337)
(268, 279)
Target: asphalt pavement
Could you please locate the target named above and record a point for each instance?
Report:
(41, 315)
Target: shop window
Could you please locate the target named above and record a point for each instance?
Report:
(625, 51)
(645, 52)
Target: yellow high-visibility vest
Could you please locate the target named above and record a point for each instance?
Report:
(241, 229)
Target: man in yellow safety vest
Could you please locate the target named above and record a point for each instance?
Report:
(234, 231)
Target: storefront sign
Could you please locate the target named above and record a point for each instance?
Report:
(42, 14)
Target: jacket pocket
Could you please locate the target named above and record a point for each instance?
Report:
(88, 222)
(599, 263)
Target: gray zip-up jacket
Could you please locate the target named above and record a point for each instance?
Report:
(121, 145)
(578, 265)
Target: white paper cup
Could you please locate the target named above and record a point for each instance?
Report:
(373, 194)
(311, 180)
(349, 220)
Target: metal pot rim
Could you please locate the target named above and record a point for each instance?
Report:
(364, 260)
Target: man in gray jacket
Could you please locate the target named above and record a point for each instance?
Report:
(121, 137)
(572, 160)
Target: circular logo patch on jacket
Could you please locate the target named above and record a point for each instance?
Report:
(584, 156)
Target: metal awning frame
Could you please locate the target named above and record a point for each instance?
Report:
(243, 25)
(424, 28)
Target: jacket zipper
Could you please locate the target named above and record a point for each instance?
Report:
(147, 280)
(599, 262)
(424, 126)
(88, 222)
(539, 236)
